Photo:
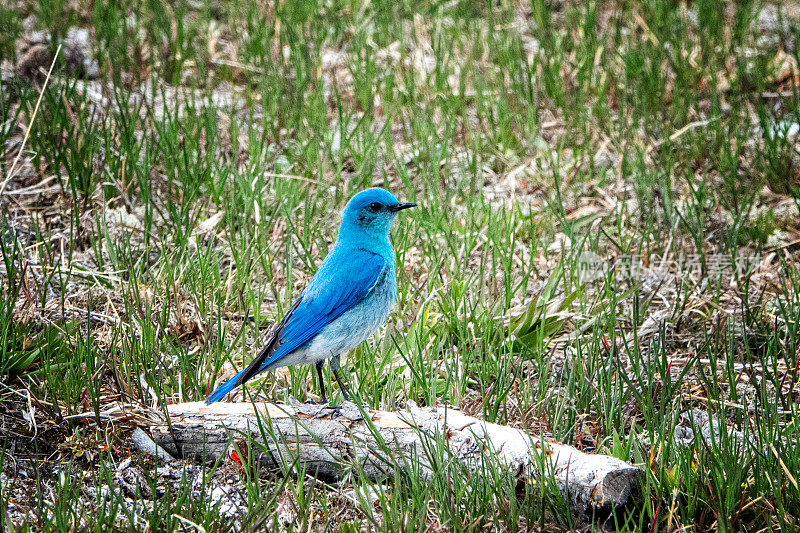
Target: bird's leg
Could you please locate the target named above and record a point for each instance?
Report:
(335, 361)
(321, 383)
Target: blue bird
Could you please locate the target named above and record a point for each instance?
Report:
(348, 298)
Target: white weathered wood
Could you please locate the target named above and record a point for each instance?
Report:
(325, 442)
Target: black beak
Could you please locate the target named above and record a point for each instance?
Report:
(400, 207)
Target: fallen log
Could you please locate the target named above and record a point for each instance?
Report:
(326, 441)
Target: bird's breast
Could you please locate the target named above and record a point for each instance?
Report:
(357, 323)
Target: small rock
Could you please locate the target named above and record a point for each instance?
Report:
(227, 505)
(773, 27)
(34, 52)
(29, 24)
(133, 483)
(35, 57)
(6, 72)
(78, 54)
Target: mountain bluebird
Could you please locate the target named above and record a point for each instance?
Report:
(346, 301)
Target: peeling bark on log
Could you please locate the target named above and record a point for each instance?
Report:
(326, 441)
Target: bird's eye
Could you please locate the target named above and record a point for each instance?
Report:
(375, 206)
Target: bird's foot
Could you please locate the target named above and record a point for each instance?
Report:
(335, 410)
(328, 411)
(347, 410)
(317, 402)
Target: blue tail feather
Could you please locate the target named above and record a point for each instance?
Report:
(223, 389)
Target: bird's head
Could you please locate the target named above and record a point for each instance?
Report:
(370, 212)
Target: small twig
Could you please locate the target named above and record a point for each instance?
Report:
(690, 126)
(188, 522)
(783, 466)
(236, 64)
(37, 188)
(30, 124)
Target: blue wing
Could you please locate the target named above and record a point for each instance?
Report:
(343, 279)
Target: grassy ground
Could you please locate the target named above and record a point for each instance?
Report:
(605, 250)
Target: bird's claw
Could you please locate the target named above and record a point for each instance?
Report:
(347, 410)
(336, 410)
(316, 402)
(328, 411)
